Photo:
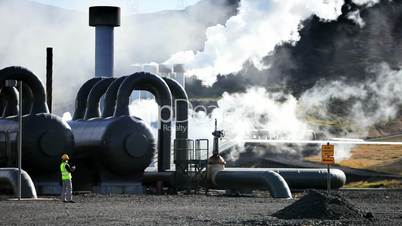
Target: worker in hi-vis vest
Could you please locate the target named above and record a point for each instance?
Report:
(66, 170)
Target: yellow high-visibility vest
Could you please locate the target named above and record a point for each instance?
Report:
(65, 175)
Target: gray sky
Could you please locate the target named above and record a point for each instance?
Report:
(130, 6)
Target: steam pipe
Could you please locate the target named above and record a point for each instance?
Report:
(27, 99)
(81, 98)
(3, 102)
(263, 180)
(111, 96)
(158, 87)
(38, 92)
(298, 178)
(181, 107)
(9, 103)
(94, 96)
(104, 19)
(10, 175)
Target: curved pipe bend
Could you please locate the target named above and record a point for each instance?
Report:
(39, 104)
(81, 98)
(94, 96)
(264, 180)
(158, 87)
(180, 104)
(111, 96)
(10, 176)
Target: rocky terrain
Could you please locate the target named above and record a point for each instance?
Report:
(214, 209)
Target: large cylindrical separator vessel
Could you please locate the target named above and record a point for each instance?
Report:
(45, 136)
(114, 151)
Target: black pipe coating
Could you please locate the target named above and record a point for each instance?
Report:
(111, 96)
(158, 87)
(81, 98)
(181, 107)
(8, 102)
(21, 74)
(94, 96)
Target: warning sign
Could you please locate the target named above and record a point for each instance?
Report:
(327, 154)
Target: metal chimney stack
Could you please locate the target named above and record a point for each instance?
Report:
(104, 19)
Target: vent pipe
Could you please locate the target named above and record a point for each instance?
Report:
(104, 19)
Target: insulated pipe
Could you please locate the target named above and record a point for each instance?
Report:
(104, 19)
(38, 92)
(94, 96)
(27, 99)
(9, 103)
(10, 175)
(158, 87)
(181, 107)
(3, 103)
(111, 96)
(10, 96)
(81, 98)
(298, 178)
(263, 180)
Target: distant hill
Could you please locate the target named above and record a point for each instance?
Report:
(325, 51)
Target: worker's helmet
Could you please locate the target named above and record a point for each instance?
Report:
(65, 157)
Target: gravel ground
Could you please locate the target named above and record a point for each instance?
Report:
(213, 209)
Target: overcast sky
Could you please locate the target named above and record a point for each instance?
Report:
(131, 6)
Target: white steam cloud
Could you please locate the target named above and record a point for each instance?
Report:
(355, 108)
(253, 33)
(29, 27)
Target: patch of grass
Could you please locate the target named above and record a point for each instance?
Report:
(382, 158)
(375, 184)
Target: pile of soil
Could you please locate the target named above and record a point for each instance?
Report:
(319, 205)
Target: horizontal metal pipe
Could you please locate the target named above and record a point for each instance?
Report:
(318, 142)
(263, 180)
(300, 178)
(153, 177)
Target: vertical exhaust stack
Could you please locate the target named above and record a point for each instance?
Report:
(104, 19)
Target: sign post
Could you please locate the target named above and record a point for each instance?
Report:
(327, 157)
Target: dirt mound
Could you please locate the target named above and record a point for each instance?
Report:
(317, 205)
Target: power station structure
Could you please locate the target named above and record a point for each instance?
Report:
(112, 149)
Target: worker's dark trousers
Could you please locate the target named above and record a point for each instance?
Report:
(67, 191)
